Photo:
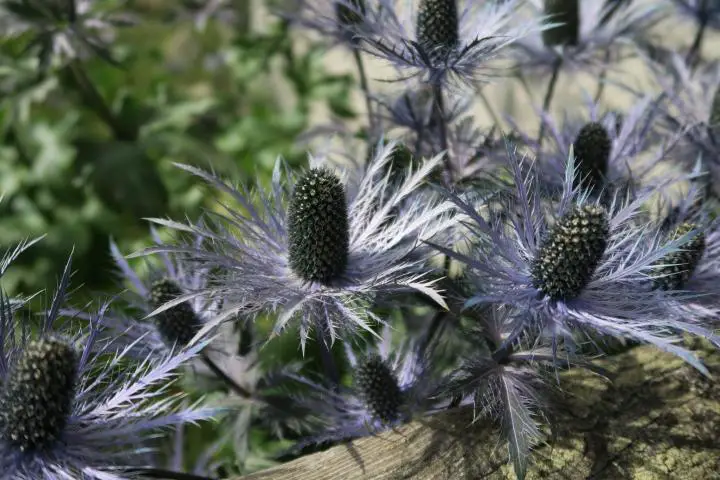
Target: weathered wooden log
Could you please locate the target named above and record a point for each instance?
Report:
(657, 419)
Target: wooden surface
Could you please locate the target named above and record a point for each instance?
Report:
(658, 419)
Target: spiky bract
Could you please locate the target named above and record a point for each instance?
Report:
(592, 152)
(318, 227)
(378, 387)
(567, 14)
(37, 397)
(571, 252)
(178, 324)
(674, 270)
(715, 110)
(437, 26)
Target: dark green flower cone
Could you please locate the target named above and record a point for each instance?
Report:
(592, 149)
(566, 12)
(348, 16)
(179, 324)
(38, 394)
(674, 270)
(318, 227)
(571, 252)
(379, 388)
(437, 27)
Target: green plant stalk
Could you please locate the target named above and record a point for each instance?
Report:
(373, 129)
(548, 100)
(94, 100)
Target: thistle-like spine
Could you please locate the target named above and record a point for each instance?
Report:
(350, 12)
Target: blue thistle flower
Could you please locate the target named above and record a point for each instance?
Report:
(62, 29)
(574, 265)
(612, 153)
(447, 40)
(690, 275)
(173, 281)
(343, 22)
(588, 37)
(390, 386)
(68, 411)
(319, 281)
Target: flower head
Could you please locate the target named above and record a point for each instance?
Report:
(318, 248)
(64, 29)
(68, 411)
(613, 153)
(340, 21)
(582, 36)
(390, 386)
(171, 280)
(573, 265)
(447, 40)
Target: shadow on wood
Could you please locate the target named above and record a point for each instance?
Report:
(658, 419)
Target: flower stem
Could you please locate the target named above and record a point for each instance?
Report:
(693, 55)
(602, 80)
(548, 99)
(365, 87)
(219, 373)
(165, 474)
(329, 365)
(96, 102)
(440, 120)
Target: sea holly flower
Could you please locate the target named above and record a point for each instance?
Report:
(690, 275)
(613, 152)
(571, 265)
(62, 29)
(447, 40)
(318, 248)
(390, 386)
(340, 21)
(68, 411)
(166, 280)
(582, 36)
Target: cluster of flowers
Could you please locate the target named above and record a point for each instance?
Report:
(562, 239)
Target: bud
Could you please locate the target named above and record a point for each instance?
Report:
(674, 269)
(592, 149)
(437, 27)
(379, 388)
(37, 397)
(179, 324)
(571, 252)
(566, 12)
(318, 227)
(349, 12)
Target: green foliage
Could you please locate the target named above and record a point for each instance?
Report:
(88, 145)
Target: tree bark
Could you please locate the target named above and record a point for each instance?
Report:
(657, 419)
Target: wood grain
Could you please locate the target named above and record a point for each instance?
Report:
(658, 419)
